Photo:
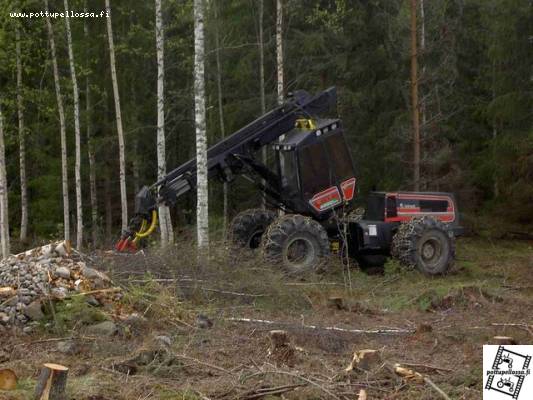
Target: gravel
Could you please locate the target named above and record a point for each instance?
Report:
(50, 271)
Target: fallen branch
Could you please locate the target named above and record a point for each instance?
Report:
(412, 376)
(269, 391)
(205, 364)
(303, 378)
(426, 366)
(523, 326)
(108, 290)
(378, 331)
(436, 388)
(56, 340)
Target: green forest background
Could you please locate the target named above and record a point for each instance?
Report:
(475, 87)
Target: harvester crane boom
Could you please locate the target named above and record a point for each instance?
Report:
(228, 157)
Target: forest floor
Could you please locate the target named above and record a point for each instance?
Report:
(446, 321)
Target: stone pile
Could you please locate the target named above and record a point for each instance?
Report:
(50, 272)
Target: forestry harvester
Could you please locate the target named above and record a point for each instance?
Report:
(314, 184)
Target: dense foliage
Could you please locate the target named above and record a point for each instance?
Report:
(475, 87)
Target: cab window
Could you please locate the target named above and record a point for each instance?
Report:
(340, 157)
(314, 169)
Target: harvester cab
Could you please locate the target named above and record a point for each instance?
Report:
(315, 168)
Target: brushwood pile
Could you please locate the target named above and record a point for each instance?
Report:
(32, 279)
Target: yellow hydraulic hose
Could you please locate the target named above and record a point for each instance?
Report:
(143, 233)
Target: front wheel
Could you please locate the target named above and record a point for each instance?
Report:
(248, 227)
(296, 244)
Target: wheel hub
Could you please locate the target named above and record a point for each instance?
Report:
(300, 251)
(428, 251)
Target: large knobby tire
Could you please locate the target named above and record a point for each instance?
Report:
(425, 243)
(297, 244)
(248, 227)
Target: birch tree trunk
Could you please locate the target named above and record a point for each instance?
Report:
(120, 133)
(62, 128)
(221, 114)
(262, 80)
(90, 144)
(77, 134)
(167, 234)
(4, 214)
(202, 219)
(22, 145)
(279, 49)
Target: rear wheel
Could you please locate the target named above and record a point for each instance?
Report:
(248, 227)
(425, 243)
(297, 244)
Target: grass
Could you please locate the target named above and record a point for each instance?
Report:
(226, 287)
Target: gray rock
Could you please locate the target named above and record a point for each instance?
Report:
(203, 321)
(4, 318)
(163, 340)
(62, 272)
(27, 330)
(92, 301)
(34, 311)
(59, 292)
(68, 347)
(25, 299)
(23, 292)
(91, 273)
(106, 328)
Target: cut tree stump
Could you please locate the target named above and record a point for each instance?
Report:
(504, 340)
(8, 379)
(281, 349)
(337, 303)
(52, 383)
(278, 338)
(364, 359)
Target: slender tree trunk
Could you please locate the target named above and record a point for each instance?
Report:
(136, 167)
(221, 114)
(77, 133)
(22, 145)
(108, 204)
(202, 219)
(422, 78)
(59, 97)
(90, 144)
(262, 80)
(120, 133)
(4, 214)
(279, 64)
(414, 100)
(495, 186)
(167, 234)
(279, 49)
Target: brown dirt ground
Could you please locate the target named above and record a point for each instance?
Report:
(451, 318)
